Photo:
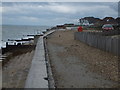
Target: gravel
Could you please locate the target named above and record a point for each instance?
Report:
(77, 65)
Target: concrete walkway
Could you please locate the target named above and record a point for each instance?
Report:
(38, 70)
(0, 75)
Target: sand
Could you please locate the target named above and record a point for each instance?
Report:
(15, 71)
(77, 65)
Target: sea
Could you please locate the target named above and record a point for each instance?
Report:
(18, 31)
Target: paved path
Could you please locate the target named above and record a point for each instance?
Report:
(48, 33)
(0, 75)
(72, 62)
(38, 70)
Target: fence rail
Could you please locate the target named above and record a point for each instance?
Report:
(99, 40)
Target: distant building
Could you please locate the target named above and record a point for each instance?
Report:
(84, 21)
(118, 20)
(60, 27)
(69, 25)
(98, 22)
(88, 21)
(92, 20)
(110, 20)
(53, 28)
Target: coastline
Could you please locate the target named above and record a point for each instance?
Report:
(67, 57)
(18, 63)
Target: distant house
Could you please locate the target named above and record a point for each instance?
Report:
(110, 20)
(118, 20)
(84, 21)
(92, 20)
(106, 20)
(98, 22)
(69, 25)
(88, 21)
(60, 27)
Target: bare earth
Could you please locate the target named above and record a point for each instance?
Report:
(77, 65)
(16, 70)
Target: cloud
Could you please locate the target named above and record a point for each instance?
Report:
(23, 20)
(61, 8)
(51, 13)
(29, 8)
(1, 8)
(64, 20)
(38, 21)
(65, 8)
(61, 1)
(33, 19)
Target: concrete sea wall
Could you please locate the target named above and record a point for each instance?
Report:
(38, 73)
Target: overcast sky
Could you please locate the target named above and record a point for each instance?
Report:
(51, 13)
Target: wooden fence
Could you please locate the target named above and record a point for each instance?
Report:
(100, 40)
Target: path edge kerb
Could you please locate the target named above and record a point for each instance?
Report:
(51, 82)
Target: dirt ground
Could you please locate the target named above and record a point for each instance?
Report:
(15, 71)
(77, 65)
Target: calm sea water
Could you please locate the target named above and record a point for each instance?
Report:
(15, 31)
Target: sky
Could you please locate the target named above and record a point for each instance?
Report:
(54, 13)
